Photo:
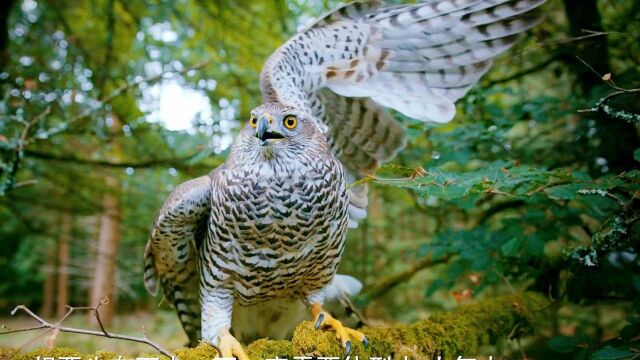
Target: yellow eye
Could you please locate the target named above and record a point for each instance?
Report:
(253, 121)
(290, 121)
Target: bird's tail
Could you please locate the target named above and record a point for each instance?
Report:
(184, 297)
(186, 301)
(341, 290)
(342, 286)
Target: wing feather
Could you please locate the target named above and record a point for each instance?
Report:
(170, 258)
(416, 59)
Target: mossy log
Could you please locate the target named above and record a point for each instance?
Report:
(459, 332)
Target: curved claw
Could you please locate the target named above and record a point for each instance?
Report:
(344, 334)
(319, 321)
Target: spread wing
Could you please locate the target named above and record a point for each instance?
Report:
(170, 258)
(416, 59)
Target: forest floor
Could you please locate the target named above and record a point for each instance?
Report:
(161, 327)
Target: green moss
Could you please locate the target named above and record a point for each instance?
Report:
(460, 332)
(42, 352)
(270, 349)
(311, 342)
(7, 353)
(202, 351)
(103, 355)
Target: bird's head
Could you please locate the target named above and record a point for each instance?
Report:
(275, 130)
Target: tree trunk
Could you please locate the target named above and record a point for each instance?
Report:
(62, 296)
(5, 10)
(48, 289)
(618, 139)
(584, 15)
(105, 265)
(104, 277)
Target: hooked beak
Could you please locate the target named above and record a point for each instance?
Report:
(265, 131)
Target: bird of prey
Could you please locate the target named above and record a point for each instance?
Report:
(244, 251)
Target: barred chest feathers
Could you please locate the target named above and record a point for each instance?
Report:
(277, 227)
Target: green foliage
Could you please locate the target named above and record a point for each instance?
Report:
(524, 189)
(611, 353)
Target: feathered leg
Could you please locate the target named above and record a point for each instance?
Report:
(217, 307)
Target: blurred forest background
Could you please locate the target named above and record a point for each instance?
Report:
(107, 105)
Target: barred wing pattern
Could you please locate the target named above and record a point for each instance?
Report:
(171, 257)
(416, 59)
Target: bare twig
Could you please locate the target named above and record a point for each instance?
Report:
(25, 183)
(388, 283)
(533, 69)
(588, 34)
(506, 280)
(415, 173)
(19, 151)
(602, 105)
(522, 353)
(606, 78)
(102, 333)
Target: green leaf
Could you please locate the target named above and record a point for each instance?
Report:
(534, 246)
(563, 344)
(636, 154)
(511, 247)
(564, 192)
(611, 353)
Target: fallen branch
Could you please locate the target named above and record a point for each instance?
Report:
(464, 332)
(102, 333)
(533, 69)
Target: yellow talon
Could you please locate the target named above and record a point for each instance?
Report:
(230, 347)
(344, 334)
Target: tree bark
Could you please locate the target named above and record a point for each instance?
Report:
(48, 289)
(103, 285)
(584, 15)
(5, 10)
(62, 293)
(618, 139)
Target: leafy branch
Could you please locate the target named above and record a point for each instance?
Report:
(18, 147)
(177, 162)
